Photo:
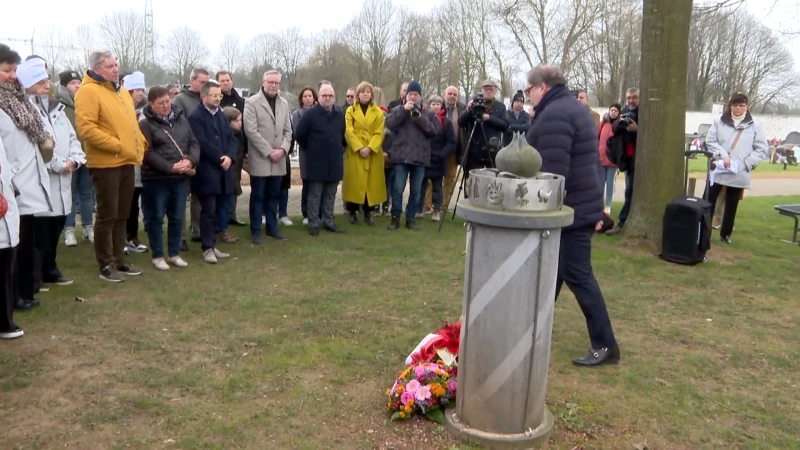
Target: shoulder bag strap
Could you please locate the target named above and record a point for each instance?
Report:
(736, 140)
(183, 155)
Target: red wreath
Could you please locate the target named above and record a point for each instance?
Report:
(447, 337)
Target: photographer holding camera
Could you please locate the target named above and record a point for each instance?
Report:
(412, 126)
(487, 117)
(627, 128)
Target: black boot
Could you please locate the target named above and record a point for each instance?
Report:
(368, 218)
(354, 218)
(411, 225)
(395, 224)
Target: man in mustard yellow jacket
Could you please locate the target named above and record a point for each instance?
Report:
(106, 120)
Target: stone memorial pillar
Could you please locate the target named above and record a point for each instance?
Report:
(513, 236)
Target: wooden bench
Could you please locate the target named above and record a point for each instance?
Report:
(792, 211)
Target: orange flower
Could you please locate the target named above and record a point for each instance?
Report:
(407, 409)
(402, 415)
(400, 389)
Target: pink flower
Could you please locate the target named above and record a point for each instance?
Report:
(452, 385)
(406, 397)
(412, 386)
(423, 393)
(419, 371)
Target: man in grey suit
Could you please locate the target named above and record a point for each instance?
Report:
(269, 135)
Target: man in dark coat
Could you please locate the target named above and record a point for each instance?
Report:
(232, 98)
(213, 181)
(519, 121)
(565, 135)
(412, 126)
(492, 124)
(320, 132)
(627, 127)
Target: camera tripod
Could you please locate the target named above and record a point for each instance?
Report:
(464, 159)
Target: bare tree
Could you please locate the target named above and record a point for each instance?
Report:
(260, 51)
(54, 48)
(123, 33)
(662, 117)
(291, 49)
(229, 54)
(184, 51)
(83, 42)
(369, 36)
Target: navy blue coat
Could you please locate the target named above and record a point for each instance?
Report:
(216, 139)
(321, 134)
(565, 135)
(442, 146)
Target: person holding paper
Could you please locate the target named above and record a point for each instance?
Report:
(738, 144)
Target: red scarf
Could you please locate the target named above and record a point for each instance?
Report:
(442, 114)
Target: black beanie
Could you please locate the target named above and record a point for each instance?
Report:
(519, 96)
(67, 77)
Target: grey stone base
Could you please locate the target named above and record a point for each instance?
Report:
(531, 439)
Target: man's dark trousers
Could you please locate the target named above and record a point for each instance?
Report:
(575, 269)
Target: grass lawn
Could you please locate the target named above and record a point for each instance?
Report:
(293, 344)
(765, 169)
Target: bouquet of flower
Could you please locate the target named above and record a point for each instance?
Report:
(425, 388)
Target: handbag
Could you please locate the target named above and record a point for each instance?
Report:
(190, 172)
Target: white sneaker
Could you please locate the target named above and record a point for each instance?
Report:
(69, 237)
(88, 233)
(305, 221)
(221, 255)
(209, 256)
(13, 334)
(136, 247)
(286, 221)
(177, 261)
(160, 264)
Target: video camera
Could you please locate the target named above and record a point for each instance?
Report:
(478, 105)
(626, 118)
(415, 112)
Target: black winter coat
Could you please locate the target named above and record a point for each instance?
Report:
(496, 126)
(161, 153)
(215, 135)
(411, 137)
(516, 124)
(320, 134)
(442, 146)
(565, 135)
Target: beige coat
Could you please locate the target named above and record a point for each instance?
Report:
(266, 131)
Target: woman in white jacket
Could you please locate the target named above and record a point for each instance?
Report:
(68, 156)
(28, 148)
(739, 145)
(9, 239)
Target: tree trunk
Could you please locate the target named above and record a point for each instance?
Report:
(662, 116)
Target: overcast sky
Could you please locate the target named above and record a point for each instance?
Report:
(246, 19)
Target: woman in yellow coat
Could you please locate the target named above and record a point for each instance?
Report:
(364, 184)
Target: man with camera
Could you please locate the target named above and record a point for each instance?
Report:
(627, 127)
(485, 120)
(412, 126)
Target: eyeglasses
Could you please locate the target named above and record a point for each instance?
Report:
(162, 103)
(273, 83)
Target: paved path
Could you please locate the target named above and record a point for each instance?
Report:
(760, 187)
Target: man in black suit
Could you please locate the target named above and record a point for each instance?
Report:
(565, 135)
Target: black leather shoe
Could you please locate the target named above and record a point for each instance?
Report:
(411, 225)
(369, 220)
(596, 357)
(354, 218)
(394, 225)
(726, 239)
(332, 228)
(235, 221)
(24, 305)
(314, 231)
(277, 236)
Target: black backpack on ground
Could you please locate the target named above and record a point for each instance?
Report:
(687, 223)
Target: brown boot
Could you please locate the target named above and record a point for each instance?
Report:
(226, 237)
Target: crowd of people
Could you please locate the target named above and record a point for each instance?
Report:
(104, 145)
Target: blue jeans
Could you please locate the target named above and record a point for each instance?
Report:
(389, 175)
(224, 214)
(82, 198)
(437, 196)
(610, 177)
(159, 198)
(283, 204)
(626, 207)
(265, 193)
(401, 173)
